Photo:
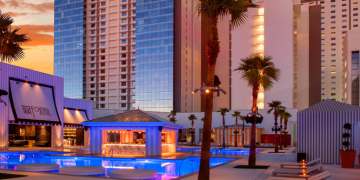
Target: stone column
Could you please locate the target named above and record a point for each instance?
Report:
(153, 141)
(95, 140)
(57, 140)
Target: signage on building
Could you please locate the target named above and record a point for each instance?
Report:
(32, 102)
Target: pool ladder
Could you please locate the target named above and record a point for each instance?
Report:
(111, 150)
(4, 158)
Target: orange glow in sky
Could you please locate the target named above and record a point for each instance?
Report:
(36, 19)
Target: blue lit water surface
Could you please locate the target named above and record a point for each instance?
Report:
(220, 151)
(167, 168)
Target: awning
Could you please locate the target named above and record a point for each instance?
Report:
(74, 117)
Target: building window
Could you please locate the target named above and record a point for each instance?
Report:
(123, 62)
(103, 17)
(102, 85)
(333, 94)
(123, 41)
(123, 90)
(102, 51)
(344, 10)
(123, 55)
(123, 105)
(333, 77)
(344, 21)
(355, 9)
(356, 25)
(343, 4)
(333, 83)
(92, 12)
(102, 78)
(355, 20)
(333, 60)
(102, 31)
(92, 92)
(92, 25)
(333, 17)
(103, 24)
(123, 21)
(92, 59)
(103, 4)
(102, 44)
(123, 76)
(355, 75)
(102, 64)
(102, 71)
(123, 69)
(102, 105)
(92, 85)
(102, 37)
(123, 83)
(123, 98)
(123, 27)
(92, 65)
(102, 91)
(102, 98)
(333, 11)
(123, 7)
(123, 48)
(102, 57)
(333, 66)
(344, 26)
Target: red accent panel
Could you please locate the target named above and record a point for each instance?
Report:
(270, 138)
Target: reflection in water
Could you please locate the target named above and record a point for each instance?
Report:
(166, 168)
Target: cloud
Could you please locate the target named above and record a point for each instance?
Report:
(2, 3)
(35, 33)
(21, 4)
(16, 14)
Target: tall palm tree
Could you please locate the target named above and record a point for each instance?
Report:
(287, 115)
(192, 117)
(211, 11)
(275, 106)
(258, 71)
(172, 116)
(281, 113)
(223, 112)
(10, 40)
(236, 115)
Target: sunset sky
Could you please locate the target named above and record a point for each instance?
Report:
(36, 19)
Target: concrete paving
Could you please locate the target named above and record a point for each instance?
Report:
(264, 158)
(222, 172)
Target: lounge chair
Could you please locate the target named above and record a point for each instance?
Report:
(321, 176)
(297, 164)
(296, 172)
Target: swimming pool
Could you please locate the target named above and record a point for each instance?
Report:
(220, 151)
(167, 168)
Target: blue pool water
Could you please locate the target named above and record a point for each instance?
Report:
(167, 168)
(220, 151)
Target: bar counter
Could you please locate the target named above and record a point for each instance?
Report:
(131, 148)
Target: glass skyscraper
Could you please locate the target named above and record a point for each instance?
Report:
(68, 46)
(154, 58)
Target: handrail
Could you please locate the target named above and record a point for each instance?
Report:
(112, 152)
(180, 167)
(31, 157)
(4, 159)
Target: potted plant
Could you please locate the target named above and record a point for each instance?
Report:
(347, 155)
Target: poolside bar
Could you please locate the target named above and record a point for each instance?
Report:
(132, 132)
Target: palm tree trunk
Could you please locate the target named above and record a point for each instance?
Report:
(223, 132)
(281, 133)
(276, 145)
(236, 131)
(243, 134)
(285, 128)
(212, 52)
(204, 171)
(192, 132)
(252, 155)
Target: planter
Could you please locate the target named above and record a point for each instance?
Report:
(347, 159)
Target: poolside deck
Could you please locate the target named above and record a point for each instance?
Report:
(225, 171)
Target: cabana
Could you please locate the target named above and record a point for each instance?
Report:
(320, 128)
(132, 132)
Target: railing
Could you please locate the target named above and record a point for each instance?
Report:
(4, 158)
(112, 152)
(31, 157)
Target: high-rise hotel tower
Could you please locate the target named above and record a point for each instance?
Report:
(94, 50)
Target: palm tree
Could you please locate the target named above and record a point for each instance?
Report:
(287, 115)
(10, 40)
(223, 112)
(192, 117)
(276, 106)
(236, 115)
(172, 115)
(212, 11)
(258, 71)
(281, 113)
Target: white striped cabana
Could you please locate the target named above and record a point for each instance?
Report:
(320, 129)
